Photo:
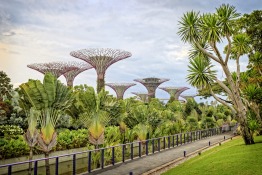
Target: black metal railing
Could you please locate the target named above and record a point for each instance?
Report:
(110, 156)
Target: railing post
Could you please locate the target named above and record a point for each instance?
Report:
(35, 168)
(56, 165)
(123, 153)
(184, 153)
(113, 155)
(168, 141)
(177, 140)
(173, 142)
(164, 142)
(139, 149)
(158, 146)
(74, 164)
(9, 169)
(184, 138)
(132, 151)
(89, 161)
(181, 141)
(153, 146)
(102, 157)
(147, 147)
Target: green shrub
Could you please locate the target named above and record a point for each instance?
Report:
(71, 139)
(10, 131)
(10, 148)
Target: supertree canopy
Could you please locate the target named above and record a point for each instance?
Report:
(80, 67)
(174, 92)
(56, 68)
(188, 96)
(151, 84)
(120, 88)
(143, 96)
(101, 59)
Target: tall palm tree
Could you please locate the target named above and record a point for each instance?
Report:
(211, 29)
(52, 99)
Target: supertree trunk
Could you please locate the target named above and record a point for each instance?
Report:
(100, 82)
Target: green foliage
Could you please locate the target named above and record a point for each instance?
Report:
(207, 122)
(175, 106)
(220, 122)
(10, 148)
(10, 131)
(200, 73)
(5, 86)
(192, 123)
(71, 139)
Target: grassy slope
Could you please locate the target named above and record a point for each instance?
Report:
(232, 157)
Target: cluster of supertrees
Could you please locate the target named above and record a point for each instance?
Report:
(100, 59)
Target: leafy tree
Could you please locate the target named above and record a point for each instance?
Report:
(209, 30)
(5, 86)
(97, 114)
(52, 99)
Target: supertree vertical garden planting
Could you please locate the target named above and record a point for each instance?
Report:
(174, 92)
(101, 59)
(80, 67)
(56, 68)
(120, 88)
(151, 84)
(142, 96)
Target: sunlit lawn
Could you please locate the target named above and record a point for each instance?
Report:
(232, 157)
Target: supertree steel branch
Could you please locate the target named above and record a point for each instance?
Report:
(174, 92)
(120, 88)
(56, 68)
(188, 96)
(151, 84)
(142, 96)
(101, 59)
(182, 89)
(80, 67)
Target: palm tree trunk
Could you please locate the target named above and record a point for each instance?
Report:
(47, 166)
(30, 163)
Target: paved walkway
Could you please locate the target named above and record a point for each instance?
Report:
(147, 163)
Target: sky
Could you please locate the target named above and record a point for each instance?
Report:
(40, 31)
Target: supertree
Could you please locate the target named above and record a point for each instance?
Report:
(186, 97)
(151, 84)
(80, 67)
(56, 68)
(174, 92)
(143, 96)
(101, 59)
(120, 88)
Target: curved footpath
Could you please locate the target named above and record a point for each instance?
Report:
(156, 163)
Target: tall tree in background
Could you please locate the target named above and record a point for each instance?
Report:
(251, 24)
(204, 32)
(5, 86)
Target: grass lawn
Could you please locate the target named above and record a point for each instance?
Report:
(232, 157)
